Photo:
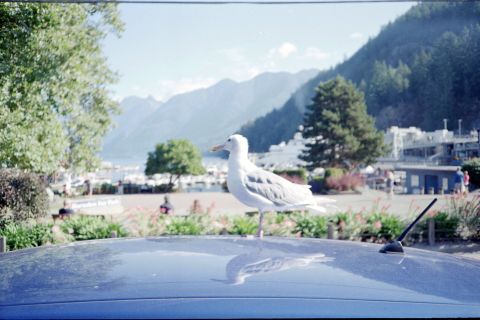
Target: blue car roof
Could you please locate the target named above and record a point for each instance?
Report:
(136, 272)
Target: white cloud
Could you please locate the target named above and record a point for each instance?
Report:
(357, 35)
(284, 50)
(287, 49)
(316, 53)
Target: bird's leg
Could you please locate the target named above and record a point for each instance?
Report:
(260, 225)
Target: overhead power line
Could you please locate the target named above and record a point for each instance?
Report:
(183, 2)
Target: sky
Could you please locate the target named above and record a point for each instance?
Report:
(171, 49)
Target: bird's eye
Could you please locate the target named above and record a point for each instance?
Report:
(229, 140)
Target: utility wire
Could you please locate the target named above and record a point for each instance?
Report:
(228, 2)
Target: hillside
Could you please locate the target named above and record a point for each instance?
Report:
(134, 111)
(421, 68)
(205, 116)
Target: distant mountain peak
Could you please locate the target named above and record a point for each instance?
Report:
(204, 116)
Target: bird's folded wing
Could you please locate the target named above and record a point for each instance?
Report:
(277, 189)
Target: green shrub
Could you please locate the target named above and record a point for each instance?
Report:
(244, 226)
(334, 172)
(383, 226)
(294, 175)
(21, 235)
(445, 225)
(184, 226)
(341, 217)
(311, 226)
(350, 225)
(89, 228)
(467, 211)
(473, 168)
(22, 196)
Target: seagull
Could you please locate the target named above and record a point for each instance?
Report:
(263, 189)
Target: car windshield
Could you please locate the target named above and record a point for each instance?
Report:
(315, 119)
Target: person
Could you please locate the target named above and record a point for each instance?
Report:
(466, 181)
(67, 210)
(88, 187)
(166, 207)
(390, 183)
(196, 207)
(459, 181)
(120, 187)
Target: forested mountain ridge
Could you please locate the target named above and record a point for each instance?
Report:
(421, 68)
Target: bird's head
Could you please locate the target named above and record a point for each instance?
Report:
(235, 143)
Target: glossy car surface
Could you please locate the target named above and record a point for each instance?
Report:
(218, 277)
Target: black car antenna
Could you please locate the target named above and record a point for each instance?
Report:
(395, 246)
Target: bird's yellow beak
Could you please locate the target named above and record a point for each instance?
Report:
(217, 147)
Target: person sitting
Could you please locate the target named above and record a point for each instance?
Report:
(67, 210)
(196, 207)
(166, 207)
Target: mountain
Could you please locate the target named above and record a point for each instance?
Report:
(421, 68)
(134, 111)
(205, 116)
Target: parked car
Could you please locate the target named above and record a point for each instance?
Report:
(234, 277)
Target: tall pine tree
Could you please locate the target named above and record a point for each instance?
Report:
(343, 134)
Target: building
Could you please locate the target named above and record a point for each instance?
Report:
(283, 155)
(440, 147)
(428, 179)
(428, 159)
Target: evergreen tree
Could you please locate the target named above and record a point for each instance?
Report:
(342, 133)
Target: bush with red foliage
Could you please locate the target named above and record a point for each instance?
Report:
(349, 181)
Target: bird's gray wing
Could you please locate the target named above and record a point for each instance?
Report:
(277, 189)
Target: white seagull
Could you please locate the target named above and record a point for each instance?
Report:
(263, 189)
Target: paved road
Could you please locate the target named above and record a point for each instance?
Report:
(224, 203)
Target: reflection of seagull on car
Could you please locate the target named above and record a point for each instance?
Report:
(250, 264)
(263, 189)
